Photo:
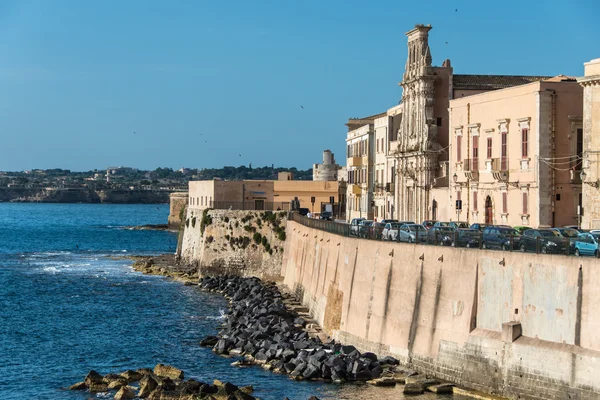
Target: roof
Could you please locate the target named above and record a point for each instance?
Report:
(491, 82)
(370, 117)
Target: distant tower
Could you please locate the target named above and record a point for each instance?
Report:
(326, 171)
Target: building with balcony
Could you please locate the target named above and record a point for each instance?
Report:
(360, 168)
(516, 154)
(591, 144)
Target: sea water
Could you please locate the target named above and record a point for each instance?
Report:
(70, 302)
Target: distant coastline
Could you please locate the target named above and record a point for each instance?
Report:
(84, 195)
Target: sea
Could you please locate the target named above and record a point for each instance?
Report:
(70, 302)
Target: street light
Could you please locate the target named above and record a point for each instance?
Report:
(455, 177)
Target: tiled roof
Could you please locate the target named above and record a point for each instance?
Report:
(490, 82)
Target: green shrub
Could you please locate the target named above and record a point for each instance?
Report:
(245, 242)
(281, 235)
(227, 237)
(206, 220)
(257, 238)
(193, 222)
(249, 228)
(237, 224)
(264, 241)
(210, 239)
(226, 219)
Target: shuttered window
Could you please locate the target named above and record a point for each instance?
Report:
(524, 140)
(475, 165)
(525, 198)
(505, 202)
(458, 148)
(474, 201)
(489, 147)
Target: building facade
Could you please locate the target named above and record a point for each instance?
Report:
(359, 168)
(516, 155)
(591, 143)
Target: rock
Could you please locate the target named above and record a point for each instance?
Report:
(247, 389)
(93, 377)
(227, 389)
(131, 376)
(147, 386)
(117, 384)
(239, 395)
(413, 388)
(443, 388)
(145, 371)
(347, 349)
(78, 386)
(191, 386)
(98, 387)
(389, 360)
(108, 378)
(209, 341)
(125, 393)
(382, 382)
(168, 371)
(166, 384)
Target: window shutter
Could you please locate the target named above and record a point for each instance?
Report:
(458, 149)
(489, 148)
(524, 139)
(475, 201)
(525, 203)
(504, 202)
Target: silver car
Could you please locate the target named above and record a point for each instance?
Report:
(413, 233)
(390, 231)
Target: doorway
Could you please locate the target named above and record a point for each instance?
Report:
(489, 214)
(259, 204)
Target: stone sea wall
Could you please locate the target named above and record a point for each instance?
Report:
(514, 324)
(243, 243)
(84, 195)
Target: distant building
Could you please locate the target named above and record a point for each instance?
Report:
(328, 170)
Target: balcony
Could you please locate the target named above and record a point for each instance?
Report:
(354, 161)
(355, 189)
(471, 169)
(575, 171)
(500, 169)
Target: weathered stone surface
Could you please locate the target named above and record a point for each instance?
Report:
(117, 384)
(78, 386)
(98, 387)
(125, 393)
(168, 371)
(382, 382)
(147, 386)
(413, 388)
(93, 377)
(443, 388)
(131, 376)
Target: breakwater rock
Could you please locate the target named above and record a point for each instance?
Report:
(259, 327)
(164, 382)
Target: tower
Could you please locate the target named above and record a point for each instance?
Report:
(417, 136)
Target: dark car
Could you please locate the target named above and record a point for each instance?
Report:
(500, 237)
(326, 215)
(544, 240)
(464, 237)
(303, 211)
(441, 235)
(365, 228)
(569, 234)
(479, 227)
(458, 224)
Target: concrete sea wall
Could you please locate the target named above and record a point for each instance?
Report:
(515, 324)
(243, 243)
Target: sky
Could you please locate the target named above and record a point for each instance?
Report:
(89, 84)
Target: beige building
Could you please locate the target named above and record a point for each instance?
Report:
(262, 194)
(591, 143)
(516, 154)
(360, 168)
(328, 170)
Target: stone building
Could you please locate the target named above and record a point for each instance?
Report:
(516, 154)
(328, 170)
(591, 144)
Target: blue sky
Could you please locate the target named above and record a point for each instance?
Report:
(213, 83)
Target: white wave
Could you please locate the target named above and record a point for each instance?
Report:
(52, 270)
(222, 316)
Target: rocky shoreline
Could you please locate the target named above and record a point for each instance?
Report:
(263, 331)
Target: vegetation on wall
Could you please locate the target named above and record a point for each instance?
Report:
(206, 220)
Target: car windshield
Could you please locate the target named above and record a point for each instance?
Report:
(470, 232)
(395, 225)
(366, 223)
(549, 233)
(416, 227)
(570, 233)
(446, 229)
(442, 223)
(596, 235)
(508, 232)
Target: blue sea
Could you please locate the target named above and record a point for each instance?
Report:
(70, 302)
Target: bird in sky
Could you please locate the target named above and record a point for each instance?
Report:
(240, 155)
(456, 10)
(302, 107)
(134, 133)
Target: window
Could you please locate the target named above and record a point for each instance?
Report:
(525, 203)
(503, 152)
(558, 197)
(474, 201)
(458, 149)
(439, 121)
(504, 202)
(378, 145)
(349, 151)
(579, 146)
(524, 139)
(475, 166)
(489, 147)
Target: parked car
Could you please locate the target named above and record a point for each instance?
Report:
(440, 223)
(458, 224)
(354, 226)
(385, 221)
(499, 237)
(412, 233)
(569, 234)
(577, 228)
(479, 227)
(390, 231)
(549, 240)
(521, 229)
(365, 228)
(587, 244)
(465, 237)
(428, 223)
(441, 235)
(326, 215)
(303, 211)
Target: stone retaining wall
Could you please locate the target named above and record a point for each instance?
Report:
(457, 313)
